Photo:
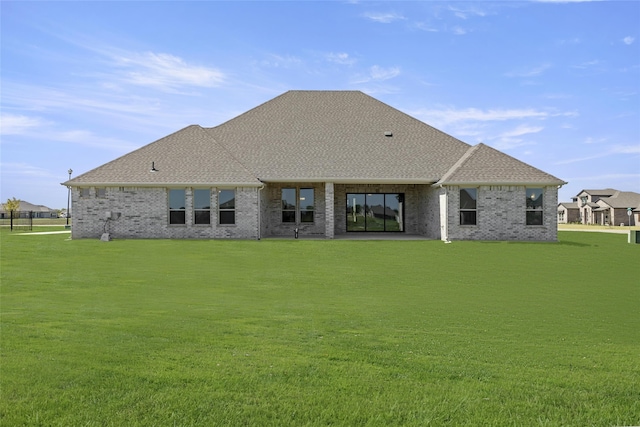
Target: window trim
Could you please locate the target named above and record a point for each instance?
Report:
(462, 210)
(225, 210)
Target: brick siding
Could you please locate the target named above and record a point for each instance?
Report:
(501, 215)
(144, 213)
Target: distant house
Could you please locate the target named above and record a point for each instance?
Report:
(26, 209)
(601, 207)
(323, 163)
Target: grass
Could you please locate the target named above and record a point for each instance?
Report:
(291, 332)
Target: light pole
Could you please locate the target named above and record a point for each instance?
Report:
(68, 195)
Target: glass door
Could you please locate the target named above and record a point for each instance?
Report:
(375, 212)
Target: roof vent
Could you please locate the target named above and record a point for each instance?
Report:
(153, 167)
(388, 134)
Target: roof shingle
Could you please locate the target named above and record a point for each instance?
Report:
(338, 136)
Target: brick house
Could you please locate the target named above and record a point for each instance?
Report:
(602, 207)
(324, 163)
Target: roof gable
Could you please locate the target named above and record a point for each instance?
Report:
(482, 164)
(190, 156)
(602, 193)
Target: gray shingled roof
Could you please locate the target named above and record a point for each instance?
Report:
(338, 136)
(482, 164)
(603, 192)
(622, 199)
(190, 156)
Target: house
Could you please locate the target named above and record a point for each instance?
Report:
(604, 207)
(316, 163)
(568, 212)
(27, 210)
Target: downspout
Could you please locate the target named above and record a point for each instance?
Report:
(260, 212)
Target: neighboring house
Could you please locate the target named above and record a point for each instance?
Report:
(26, 208)
(568, 212)
(324, 163)
(602, 207)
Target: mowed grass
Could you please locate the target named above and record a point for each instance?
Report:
(296, 333)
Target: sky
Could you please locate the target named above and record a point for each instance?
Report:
(555, 84)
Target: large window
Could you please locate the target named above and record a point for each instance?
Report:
(534, 206)
(227, 207)
(375, 212)
(177, 206)
(298, 205)
(202, 206)
(306, 205)
(288, 205)
(468, 206)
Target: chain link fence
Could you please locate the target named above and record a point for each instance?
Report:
(17, 220)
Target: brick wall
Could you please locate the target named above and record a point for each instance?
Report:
(144, 213)
(272, 225)
(501, 215)
(420, 202)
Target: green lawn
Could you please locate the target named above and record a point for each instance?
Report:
(295, 332)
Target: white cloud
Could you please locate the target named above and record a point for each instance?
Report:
(529, 72)
(447, 116)
(281, 61)
(384, 18)
(25, 170)
(423, 26)
(377, 73)
(521, 130)
(11, 124)
(458, 31)
(587, 64)
(616, 149)
(628, 40)
(464, 13)
(340, 58)
(164, 71)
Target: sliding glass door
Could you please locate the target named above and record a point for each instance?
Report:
(375, 212)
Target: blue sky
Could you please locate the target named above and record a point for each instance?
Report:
(555, 84)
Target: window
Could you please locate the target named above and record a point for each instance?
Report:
(301, 207)
(227, 207)
(468, 206)
(101, 192)
(534, 206)
(306, 204)
(85, 192)
(560, 216)
(177, 209)
(288, 205)
(375, 212)
(202, 206)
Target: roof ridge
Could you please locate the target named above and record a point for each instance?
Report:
(208, 134)
(457, 165)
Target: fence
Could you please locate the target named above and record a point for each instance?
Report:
(17, 220)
